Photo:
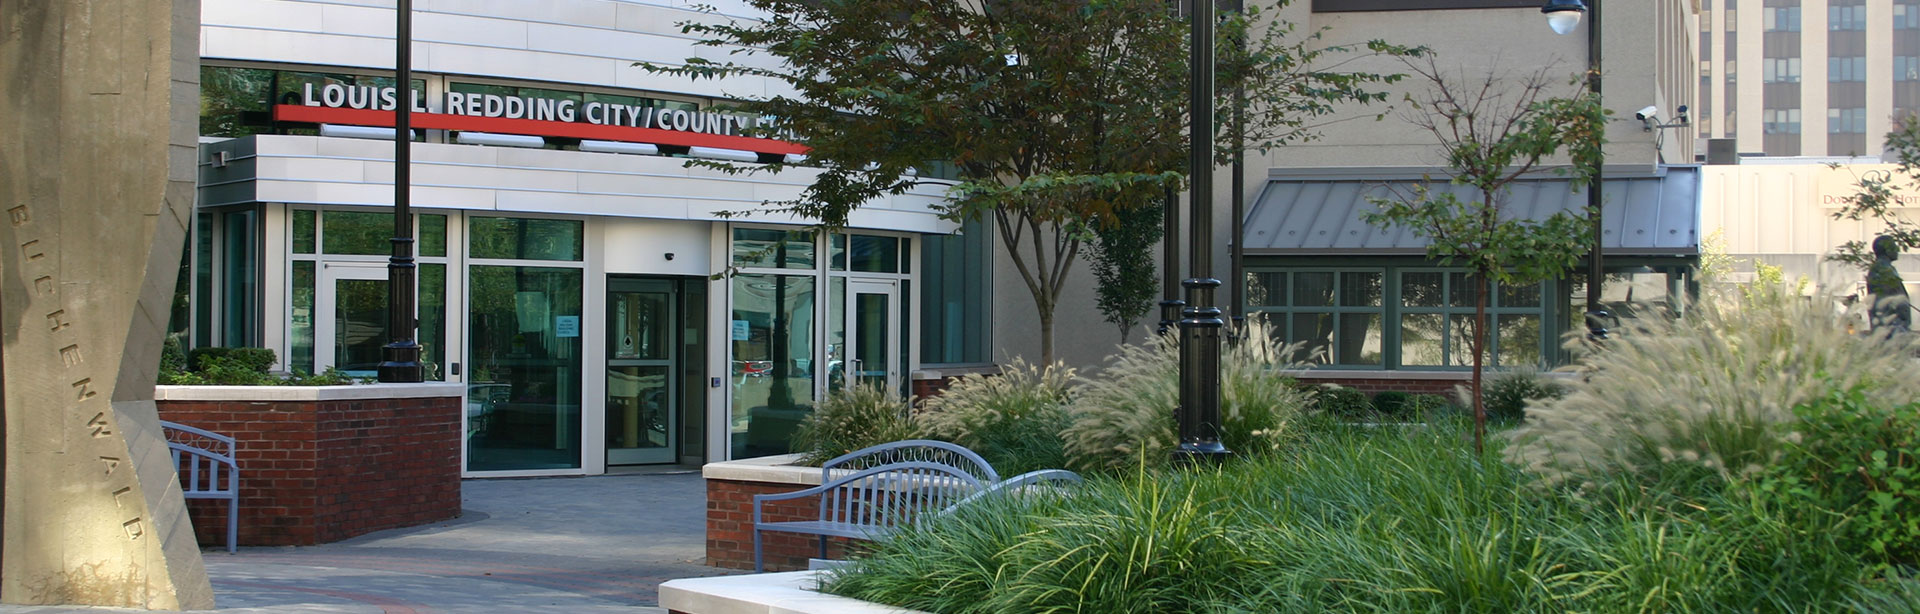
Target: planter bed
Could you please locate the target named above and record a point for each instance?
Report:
(324, 463)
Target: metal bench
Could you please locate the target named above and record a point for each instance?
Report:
(205, 462)
(870, 503)
(911, 450)
(869, 493)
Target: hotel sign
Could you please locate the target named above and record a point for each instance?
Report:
(360, 105)
(1838, 187)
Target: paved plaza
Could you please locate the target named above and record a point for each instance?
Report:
(572, 545)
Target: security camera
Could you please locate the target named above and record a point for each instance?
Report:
(1647, 113)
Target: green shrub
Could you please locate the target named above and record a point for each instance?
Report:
(1428, 406)
(251, 359)
(849, 419)
(1013, 419)
(1352, 520)
(1123, 415)
(1850, 471)
(1342, 402)
(1708, 392)
(1507, 394)
(1392, 403)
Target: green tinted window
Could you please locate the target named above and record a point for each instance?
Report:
(525, 239)
(770, 248)
(356, 233)
(235, 102)
(303, 230)
(433, 234)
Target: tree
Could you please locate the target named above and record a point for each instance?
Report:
(1494, 133)
(1060, 116)
(1876, 199)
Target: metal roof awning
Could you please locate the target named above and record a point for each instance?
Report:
(1300, 214)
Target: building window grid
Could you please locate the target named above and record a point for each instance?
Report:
(1906, 16)
(1846, 17)
(1780, 70)
(1846, 69)
(1847, 121)
(1780, 19)
(1520, 312)
(1781, 121)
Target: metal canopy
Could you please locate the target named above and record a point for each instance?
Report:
(1301, 213)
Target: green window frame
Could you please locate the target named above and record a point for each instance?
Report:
(1395, 317)
(1334, 314)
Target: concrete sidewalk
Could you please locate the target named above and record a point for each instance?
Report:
(574, 545)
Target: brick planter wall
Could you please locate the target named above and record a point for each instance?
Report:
(730, 489)
(1373, 382)
(323, 464)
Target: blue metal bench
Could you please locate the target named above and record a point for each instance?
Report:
(911, 450)
(869, 493)
(870, 503)
(205, 462)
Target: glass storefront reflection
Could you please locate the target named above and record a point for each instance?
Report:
(772, 333)
(523, 405)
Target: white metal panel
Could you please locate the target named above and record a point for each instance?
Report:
(470, 30)
(365, 21)
(265, 14)
(640, 247)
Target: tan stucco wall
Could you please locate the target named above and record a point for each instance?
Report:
(1782, 215)
(1649, 56)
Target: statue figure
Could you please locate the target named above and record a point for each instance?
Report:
(1890, 310)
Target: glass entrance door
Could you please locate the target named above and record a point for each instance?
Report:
(351, 329)
(642, 357)
(873, 315)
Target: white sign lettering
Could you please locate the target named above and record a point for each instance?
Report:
(335, 95)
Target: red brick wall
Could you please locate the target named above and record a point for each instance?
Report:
(313, 472)
(730, 527)
(1412, 384)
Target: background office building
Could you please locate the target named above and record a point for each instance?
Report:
(585, 283)
(1807, 77)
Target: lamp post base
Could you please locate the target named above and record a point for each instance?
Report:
(401, 364)
(1200, 454)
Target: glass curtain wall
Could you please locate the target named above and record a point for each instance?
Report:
(525, 301)
(786, 348)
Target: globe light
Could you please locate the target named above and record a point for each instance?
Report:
(1563, 15)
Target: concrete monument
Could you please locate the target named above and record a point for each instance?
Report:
(98, 125)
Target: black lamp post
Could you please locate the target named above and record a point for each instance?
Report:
(1563, 16)
(1200, 323)
(400, 359)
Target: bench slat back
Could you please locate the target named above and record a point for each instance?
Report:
(204, 460)
(912, 451)
(893, 495)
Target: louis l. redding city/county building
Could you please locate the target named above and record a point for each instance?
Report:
(567, 252)
(586, 286)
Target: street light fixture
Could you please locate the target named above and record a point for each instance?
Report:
(400, 359)
(1563, 16)
(1199, 411)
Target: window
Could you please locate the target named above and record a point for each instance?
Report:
(1847, 69)
(1780, 70)
(955, 307)
(1394, 317)
(238, 101)
(1780, 18)
(1847, 121)
(1781, 121)
(1436, 320)
(1906, 16)
(1334, 317)
(1906, 68)
(514, 238)
(1841, 17)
